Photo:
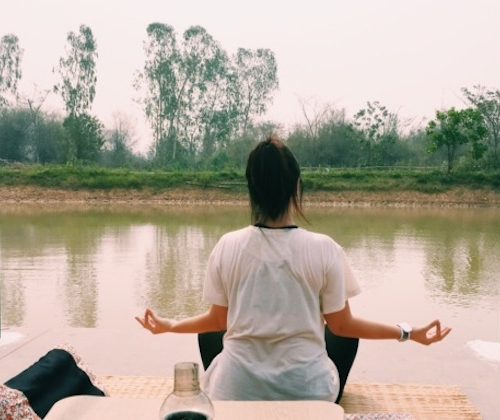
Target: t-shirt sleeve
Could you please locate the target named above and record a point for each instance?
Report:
(340, 283)
(214, 292)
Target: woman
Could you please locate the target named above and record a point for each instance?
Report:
(272, 287)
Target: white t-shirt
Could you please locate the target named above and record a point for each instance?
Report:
(276, 283)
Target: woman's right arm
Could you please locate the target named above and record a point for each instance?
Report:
(344, 324)
(215, 319)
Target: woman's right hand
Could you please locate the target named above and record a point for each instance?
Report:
(154, 323)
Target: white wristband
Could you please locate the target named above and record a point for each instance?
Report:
(405, 331)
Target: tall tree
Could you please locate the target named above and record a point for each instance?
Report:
(160, 78)
(487, 102)
(207, 101)
(379, 127)
(453, 128)
(77, 70)
(10, 67)
(77, 87)
(257, 79)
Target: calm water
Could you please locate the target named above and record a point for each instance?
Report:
(90, 268)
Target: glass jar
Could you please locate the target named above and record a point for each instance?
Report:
(187, 401)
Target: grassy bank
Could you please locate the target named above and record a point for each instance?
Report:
(335, 180)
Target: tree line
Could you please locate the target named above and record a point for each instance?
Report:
(376, 137)
(203, 106)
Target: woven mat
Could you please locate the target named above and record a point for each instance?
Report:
(137, 386)
(420, 401)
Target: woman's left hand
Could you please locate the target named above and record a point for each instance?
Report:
(431, 333)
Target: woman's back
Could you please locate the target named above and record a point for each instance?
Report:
(275, 283)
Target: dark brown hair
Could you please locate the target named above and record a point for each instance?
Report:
(273, 177)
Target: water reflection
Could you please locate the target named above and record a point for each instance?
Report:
(92, 267)
(461, 268)
(175, 269)
(80, 290)
(12, 304)
(460, 247)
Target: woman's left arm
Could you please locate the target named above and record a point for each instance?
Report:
(215, 319)
(344, 324)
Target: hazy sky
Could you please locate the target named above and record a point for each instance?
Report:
(412, 56)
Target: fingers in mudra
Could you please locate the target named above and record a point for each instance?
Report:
(434, 332)
(148, 322)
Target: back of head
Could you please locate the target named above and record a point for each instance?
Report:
(273, 177)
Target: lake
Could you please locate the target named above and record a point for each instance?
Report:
(94, 267)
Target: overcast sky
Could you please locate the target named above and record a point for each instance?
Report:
(412, 56)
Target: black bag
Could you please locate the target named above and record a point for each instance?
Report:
(54, 377)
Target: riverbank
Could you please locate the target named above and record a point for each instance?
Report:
(189, 196)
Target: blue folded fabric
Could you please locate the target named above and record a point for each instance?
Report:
(54, 377)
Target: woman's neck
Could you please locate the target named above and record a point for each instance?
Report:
(283, 221)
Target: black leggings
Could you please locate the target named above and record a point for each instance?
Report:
(341, 350)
